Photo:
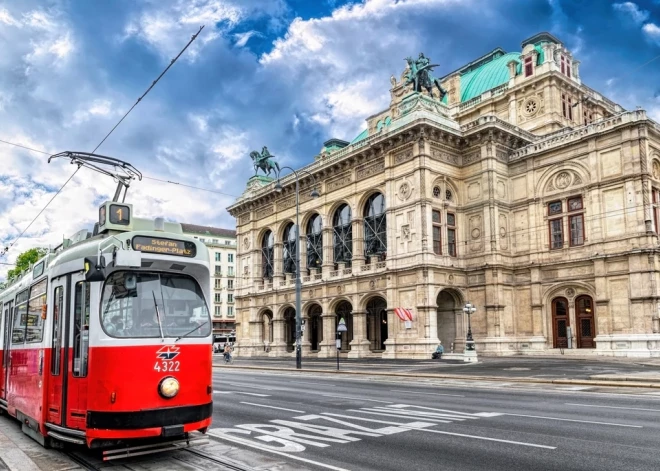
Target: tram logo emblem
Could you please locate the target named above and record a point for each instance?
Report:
(168, 353)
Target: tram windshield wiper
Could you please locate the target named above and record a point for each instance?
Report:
(160, 324)
(194, 330)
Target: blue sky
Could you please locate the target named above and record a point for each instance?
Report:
(288, 74)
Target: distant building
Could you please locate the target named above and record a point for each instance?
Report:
(222, 254)
(522, 191)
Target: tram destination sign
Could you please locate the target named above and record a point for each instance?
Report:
(181, 248)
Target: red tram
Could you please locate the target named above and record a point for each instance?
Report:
(107, 341)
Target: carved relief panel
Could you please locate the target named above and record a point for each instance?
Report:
(475, 234)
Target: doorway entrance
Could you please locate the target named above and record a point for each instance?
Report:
(315, 327)
(584, 318)
(447, 307)
(377, 324)
(560, 323)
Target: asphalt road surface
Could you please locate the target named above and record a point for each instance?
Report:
(359, 423)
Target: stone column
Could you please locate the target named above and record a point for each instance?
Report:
(327, 347)
(360, 343)
(278, 265)
(358, 242)
(302, 240)
(328, 252)
(306, 343)
(279, 341)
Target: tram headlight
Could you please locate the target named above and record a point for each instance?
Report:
(168, 387)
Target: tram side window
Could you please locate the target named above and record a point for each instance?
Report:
(7, 332)
(81, 329)
(35, 323)
(20, 318)
(57, 331)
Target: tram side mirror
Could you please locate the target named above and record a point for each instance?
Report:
(130, 282)
(94, 271)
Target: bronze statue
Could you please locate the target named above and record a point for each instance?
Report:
(264, 161)
(419, 74)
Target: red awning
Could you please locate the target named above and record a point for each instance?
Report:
(403, 313)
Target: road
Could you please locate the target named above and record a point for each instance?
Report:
(288, 420)
(360, 423)
(548, 368)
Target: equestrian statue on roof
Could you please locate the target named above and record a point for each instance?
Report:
(419, 74)
(264, 161)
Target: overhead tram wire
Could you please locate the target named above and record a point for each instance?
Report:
(144, 176)
(153, 84)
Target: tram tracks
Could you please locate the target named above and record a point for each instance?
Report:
(202, 461)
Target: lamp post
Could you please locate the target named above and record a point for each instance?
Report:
(341, 327)
(470, 353)
(313, 194)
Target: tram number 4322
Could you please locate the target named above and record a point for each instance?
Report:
(166, 366)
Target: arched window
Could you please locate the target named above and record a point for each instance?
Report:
(289, 249)
(375, 227)
(267, 255)
(314, 242)
(342, 238)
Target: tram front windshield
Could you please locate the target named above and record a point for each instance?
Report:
(146, 305)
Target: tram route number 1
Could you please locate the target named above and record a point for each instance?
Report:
(166, 366)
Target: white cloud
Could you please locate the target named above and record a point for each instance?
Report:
(243, 38)
(165, 27)
(6, 18)
(40, 19)
(652, 31)
(632, 10)
(341, 63)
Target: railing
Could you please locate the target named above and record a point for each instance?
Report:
(470, 103)
(559, 139)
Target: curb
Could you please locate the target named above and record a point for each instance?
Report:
(524, 379)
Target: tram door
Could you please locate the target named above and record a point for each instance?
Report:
(6, 325)
(76, 341)
(56, 369)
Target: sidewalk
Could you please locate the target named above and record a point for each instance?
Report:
(603, 371)
(18, 452)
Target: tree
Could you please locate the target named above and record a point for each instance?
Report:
(24, 260)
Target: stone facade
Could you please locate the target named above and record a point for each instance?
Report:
(221, 244)
(536, 201)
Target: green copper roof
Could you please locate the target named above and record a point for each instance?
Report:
(487, 77)
(363, 135)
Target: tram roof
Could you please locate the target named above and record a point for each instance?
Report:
(85, 244)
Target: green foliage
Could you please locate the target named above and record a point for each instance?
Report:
(24, 260)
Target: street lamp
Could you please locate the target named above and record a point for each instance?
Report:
(341, 327)
(469, 309)
(313, 194)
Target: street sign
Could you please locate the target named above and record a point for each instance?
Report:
(341, 327)
(338, 344)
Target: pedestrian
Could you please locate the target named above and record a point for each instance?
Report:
(437, 355)
(266, 346)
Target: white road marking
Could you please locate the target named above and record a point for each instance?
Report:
(489, 414)
(309, 382)
(249, 386)
(477, 437)
(442, 432)
(612, 407)
(574, 388)
(241, 392)
(356, 398)
(425, 394)
(288, 455)
(273, 407)
(573, 420)
(398, 416)
(453, 412)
